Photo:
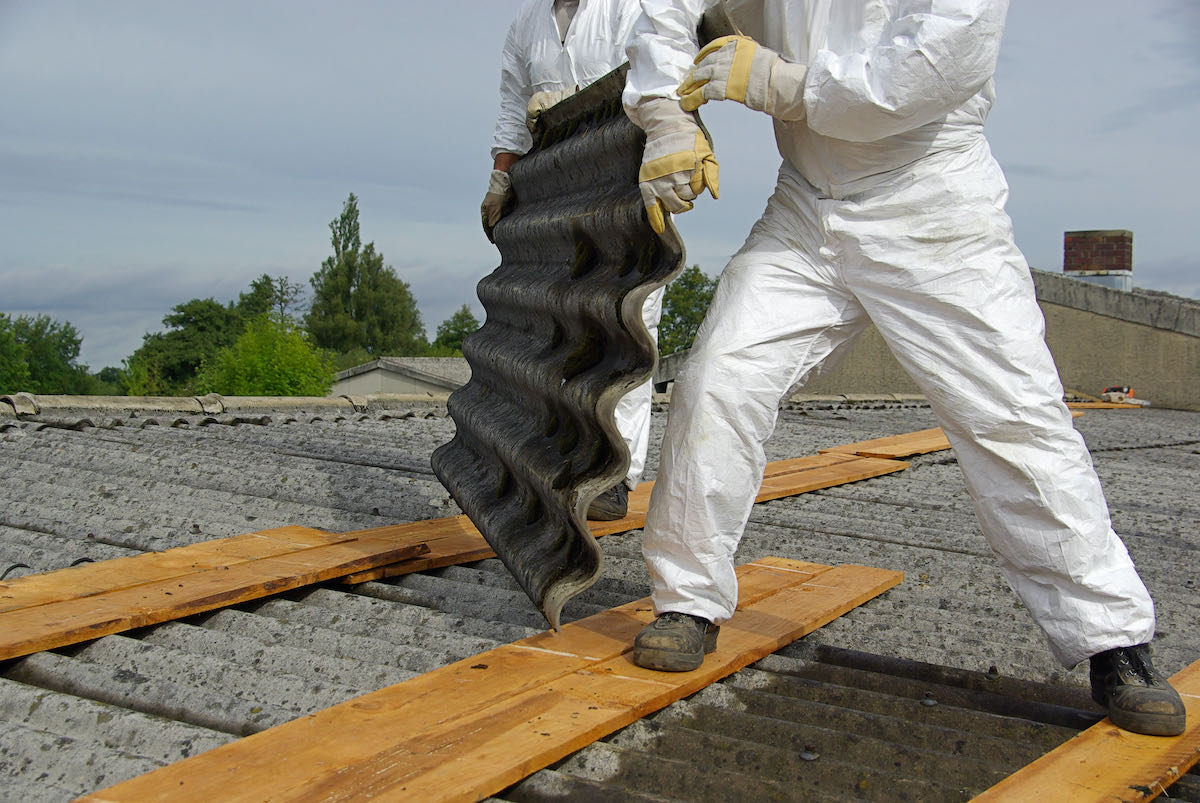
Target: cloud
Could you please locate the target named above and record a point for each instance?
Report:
(1048, 172)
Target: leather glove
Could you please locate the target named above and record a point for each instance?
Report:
(499, 193)
(738, 68)
(677, 164)
(542, 101)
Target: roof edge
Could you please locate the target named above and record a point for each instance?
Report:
(28, 404)
(1171, 313)
(391, 366)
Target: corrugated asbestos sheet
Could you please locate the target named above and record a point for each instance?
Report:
(562, 343)
(843, 714)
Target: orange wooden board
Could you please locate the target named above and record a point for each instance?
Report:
(894, 446)
(472, 728)
(1107, 763)
(137, 601)
(1098, 405)
(94, 578)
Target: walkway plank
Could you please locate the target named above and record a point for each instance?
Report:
(1107, 763)
(1100, 405)
(137, 602)
(94, 578)
(474, 727)
(895, 446)
(822, 471)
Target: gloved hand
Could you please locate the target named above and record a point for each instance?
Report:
(499, 193)
(542, 101)
(677, 164)
(738, 68)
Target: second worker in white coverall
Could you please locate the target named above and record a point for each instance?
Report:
(889, 209)
(553, 49)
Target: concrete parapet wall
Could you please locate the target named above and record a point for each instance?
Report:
(1102, 337)
(1094, 352)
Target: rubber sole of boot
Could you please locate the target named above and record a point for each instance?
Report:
(1149, 724)
(674, 660)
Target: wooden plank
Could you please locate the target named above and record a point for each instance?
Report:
(781, 478)
(1103, 406)
(107, 575)
(894, 446)
(451, 541)
(858, 468)
(1107, 763)
(71, 620)
(470, 729)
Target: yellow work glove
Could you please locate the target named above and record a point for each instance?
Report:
(542, 101)
(738, 68)
(499, 193)
(677, 164)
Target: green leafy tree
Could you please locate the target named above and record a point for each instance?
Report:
(51, 354)
(14, 359)
(358, 302)
(110, 381)
(451, 333)
(259, 299)
(270, 358)
(278, 295)
(684, 304)
(166, 363)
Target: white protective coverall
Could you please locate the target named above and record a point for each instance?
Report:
(535, 59)
(889, 209)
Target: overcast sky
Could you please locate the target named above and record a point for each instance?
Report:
(154, 152)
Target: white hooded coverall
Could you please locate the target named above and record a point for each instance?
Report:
(535, 59)
(889, 209)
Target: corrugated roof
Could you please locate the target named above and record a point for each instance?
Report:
(845, 713)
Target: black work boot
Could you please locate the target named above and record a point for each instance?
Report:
(1138, 698)
(675, 642)
(611, 505)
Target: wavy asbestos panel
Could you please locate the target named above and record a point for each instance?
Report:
(562, 342)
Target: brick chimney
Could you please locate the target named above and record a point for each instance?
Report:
(1100, 257)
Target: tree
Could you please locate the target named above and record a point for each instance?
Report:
(270, 358)
(278, 295)
(110, 381)
(166, 363)
(451, 333)
(684, 304)
(14, 359)
(49, 351)
(358, 302)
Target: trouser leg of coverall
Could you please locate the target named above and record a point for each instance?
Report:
(970, 333)
(632, 412)
(973, 340)
(746, 355)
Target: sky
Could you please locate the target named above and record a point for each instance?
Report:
(154, 152)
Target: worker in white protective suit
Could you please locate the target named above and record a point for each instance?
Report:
(555, 48)
(889, 209)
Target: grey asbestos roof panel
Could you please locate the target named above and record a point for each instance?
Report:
(563, 341)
